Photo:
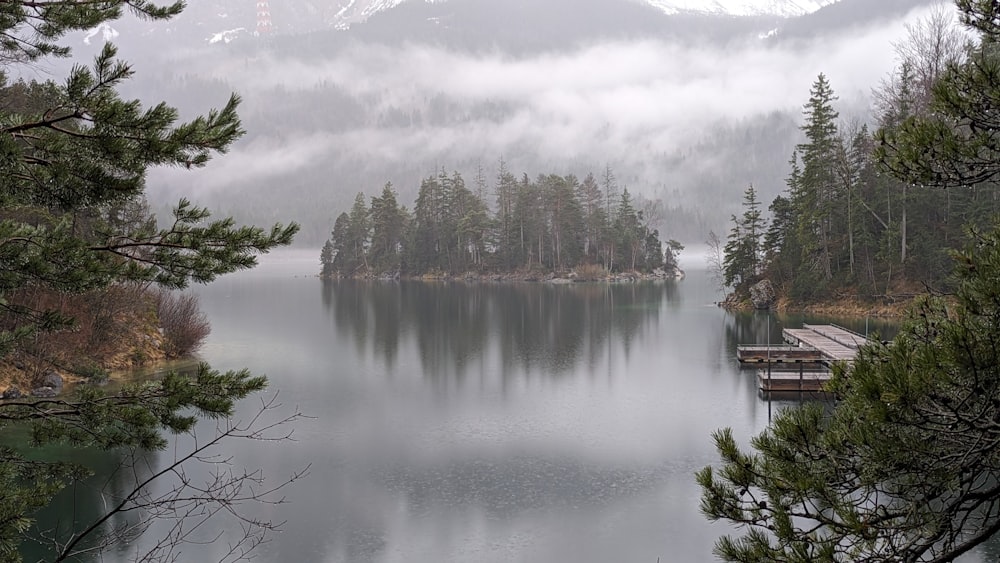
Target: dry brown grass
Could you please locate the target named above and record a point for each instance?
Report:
(591, 272)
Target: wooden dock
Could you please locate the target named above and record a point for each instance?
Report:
(819, 345)
(834, 343)
(763, 354)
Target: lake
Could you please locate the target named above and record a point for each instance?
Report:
(486, 422)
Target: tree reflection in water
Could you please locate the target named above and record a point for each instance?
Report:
(534, 326)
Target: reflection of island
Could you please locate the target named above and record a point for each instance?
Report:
(535, 326)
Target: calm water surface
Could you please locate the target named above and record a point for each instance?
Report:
(488, 423)
(513, 422)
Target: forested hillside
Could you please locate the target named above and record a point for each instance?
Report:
(858, 219)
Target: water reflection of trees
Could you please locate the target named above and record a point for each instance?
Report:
(533, 326)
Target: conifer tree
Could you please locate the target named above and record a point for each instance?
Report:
(529, 215)
(628, 232)
(326, 256)
(429, 252)
(565, 219)
(741, 264)
(608, 239)
(358, 235)
(814, 194)
(595, 219)
(506, 190)
(80, 151)
(388, 223)
(340, 245)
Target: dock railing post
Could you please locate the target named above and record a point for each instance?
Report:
(769, 351)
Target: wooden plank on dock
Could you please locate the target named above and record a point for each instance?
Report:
(757, 354)
(831, 349)
(839, 334)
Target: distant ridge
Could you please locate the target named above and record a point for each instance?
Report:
(779, 8)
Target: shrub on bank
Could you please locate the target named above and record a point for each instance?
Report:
(183, 324)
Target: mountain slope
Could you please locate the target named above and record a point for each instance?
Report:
(846, 14)
(345, 13)
(780, 8)
(522, 24)
(518, 26)
(310, 15)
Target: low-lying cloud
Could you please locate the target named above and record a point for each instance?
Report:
(625, 103)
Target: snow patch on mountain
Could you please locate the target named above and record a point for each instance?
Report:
(782, 8)
(357, 11)
(228, 35)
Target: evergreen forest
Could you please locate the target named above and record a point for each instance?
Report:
(861, 218)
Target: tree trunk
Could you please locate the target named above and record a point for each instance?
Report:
(902, 230)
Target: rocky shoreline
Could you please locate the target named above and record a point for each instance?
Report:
(844, 307)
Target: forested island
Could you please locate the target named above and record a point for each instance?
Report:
(551, 226)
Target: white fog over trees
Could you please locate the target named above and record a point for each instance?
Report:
(688, 108)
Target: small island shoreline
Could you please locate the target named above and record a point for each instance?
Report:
(848, 307)
(521, 276)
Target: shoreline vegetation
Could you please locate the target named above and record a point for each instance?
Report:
(562, 277)
(847, 306)
(860, 227)
(115, 331)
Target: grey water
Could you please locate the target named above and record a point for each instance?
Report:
(453, 422)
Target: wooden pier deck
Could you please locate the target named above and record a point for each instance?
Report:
(834, 343)
(812, 344)
(763, 354)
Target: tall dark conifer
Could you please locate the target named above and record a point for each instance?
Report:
(594, 217)
(815, 194)
(388, 221)
(743, 251)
